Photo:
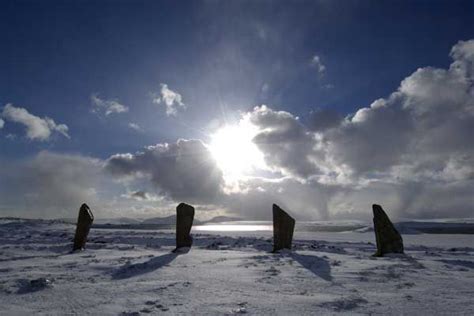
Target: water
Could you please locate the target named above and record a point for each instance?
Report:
(233, 228)
(255, 226)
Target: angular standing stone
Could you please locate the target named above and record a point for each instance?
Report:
(283, 227)
(84, 223)
(387, 237)
(184, 222)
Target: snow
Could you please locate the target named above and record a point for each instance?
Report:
(134, 272)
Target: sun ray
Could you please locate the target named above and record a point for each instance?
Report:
(235, 152)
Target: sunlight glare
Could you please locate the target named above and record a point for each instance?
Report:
(235, 152)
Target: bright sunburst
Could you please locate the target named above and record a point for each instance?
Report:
(235, 152)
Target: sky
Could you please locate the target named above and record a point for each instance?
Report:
(323, 107)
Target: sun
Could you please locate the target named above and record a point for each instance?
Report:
(235, 152)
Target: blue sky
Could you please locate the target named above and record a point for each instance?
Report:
(222, 58)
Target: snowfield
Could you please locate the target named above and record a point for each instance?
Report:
(133, 272)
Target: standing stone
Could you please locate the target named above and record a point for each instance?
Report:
(84, 223)
(184, 222)
(283, 227)
(387, 237)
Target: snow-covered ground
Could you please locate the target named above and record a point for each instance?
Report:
(133, 272)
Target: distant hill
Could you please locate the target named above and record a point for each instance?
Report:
(171, 220)
(148, 223)
(221, 219)
(168, 220)
(117, 221)
(439, 226)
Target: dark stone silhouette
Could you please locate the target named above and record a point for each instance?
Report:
(184, 222)
(387, 237)
(84, 223)
(283, 227)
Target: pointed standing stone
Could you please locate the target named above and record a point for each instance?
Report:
(283, 227)
(387, 237)
(84, 223)
(184, 222)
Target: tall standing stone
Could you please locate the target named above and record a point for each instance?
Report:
(387, 237)
(283, 227)
(84, 223)
(184, 222)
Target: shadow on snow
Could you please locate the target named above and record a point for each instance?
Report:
(133, 270)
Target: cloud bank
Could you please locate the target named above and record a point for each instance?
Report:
(49, 184)
(416, 144)
(54, 185)
(184, 170)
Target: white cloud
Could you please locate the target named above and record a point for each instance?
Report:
(2, 123)
(135, 127)
(172, 100)
(36, 128)
(284, 141)
(318, 64)
(463, 55)
(107, 106)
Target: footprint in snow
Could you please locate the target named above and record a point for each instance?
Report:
(153, 305)
(273, 271)
(344, 304)
(405, 285)
(242, 309)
